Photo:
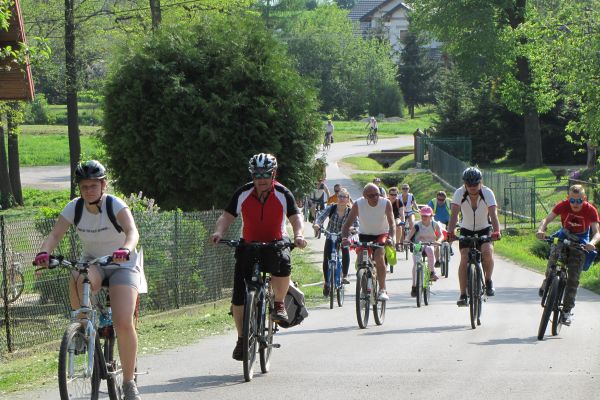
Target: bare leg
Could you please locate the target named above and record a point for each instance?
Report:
(123, 299)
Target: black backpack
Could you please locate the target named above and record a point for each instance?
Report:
(294, 305)
(109, 211)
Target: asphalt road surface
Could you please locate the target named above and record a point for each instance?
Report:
(418, 353)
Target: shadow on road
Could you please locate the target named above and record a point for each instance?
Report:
(494, 342)
(193, 383)
(423, 329)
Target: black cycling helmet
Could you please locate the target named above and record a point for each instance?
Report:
(472, 176)
(91, 169)
(263, 162)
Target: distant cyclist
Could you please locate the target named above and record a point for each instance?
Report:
(318, 198)
(579, 218)
(264, 205)
(398, 210)
(329, 132)
(410, 205)
(477, 205)
(441, 213)
(377, 182)
(372, 125)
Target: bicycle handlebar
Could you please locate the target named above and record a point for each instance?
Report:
(567, 242)
(373, 245)
(475, 239)
(61, 261)
(279, 244)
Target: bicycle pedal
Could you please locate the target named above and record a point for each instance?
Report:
(136, 373)
(275, 345)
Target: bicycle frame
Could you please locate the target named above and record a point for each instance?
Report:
(334, 257)
(476, 294)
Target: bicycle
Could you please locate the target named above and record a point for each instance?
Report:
(556, 282)
(367, 287)
(404, 248)
(422, 273)
(13, 281)
(258, 326)
(83, 360)
(334, 270)
(327, 142)
(372, 136)
(475, 278)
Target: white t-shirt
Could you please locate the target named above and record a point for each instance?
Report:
(478, 219)
(427, 233)
(97, 234)
(373, 220)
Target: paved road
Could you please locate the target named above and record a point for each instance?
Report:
(418, 353)
(49, 177)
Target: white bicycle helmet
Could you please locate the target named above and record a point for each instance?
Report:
(262, 161)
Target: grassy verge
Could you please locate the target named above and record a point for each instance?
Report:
(36, 368)
(53, 149)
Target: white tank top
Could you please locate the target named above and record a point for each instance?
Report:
(426, 233)
(373, 220)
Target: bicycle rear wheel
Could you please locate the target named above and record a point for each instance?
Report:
(114, 380)
(331, 282)
(472, 293)
(268, 332)
(74, 379)
(556, 311)
(249, 332)
(378, 306)
(479, 289)
(419, 284)
(362, 298)
(549, 306)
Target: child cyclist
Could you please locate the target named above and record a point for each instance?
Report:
(426, 230)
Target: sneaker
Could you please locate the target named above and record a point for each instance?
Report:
(130, 391)
(489, 289)
(462, 301)
(437, 264)
(567, 317)
(345, 281)
(541, 289)
(433, 277)
(280, 312)
(326, 290)
(382, 295)
(238, 351)
(413, 291)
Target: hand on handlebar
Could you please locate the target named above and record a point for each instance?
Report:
(215, 237)
(300, 242)
(451, 236)
(496, 235)
(540, 235)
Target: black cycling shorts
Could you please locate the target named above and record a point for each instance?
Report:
(465, 232)
(276, 262)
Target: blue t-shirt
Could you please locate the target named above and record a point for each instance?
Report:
(442, 213)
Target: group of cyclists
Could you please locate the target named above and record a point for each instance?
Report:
(372, 126)
(265, 206)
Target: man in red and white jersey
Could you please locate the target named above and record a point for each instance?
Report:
(264, 205)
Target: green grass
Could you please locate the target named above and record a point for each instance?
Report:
(36, 368)
(46, 148)
(363, 163)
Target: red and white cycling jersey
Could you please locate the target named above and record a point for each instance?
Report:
(263, 222)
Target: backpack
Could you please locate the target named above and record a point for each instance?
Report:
(294, 305)
(109, 211)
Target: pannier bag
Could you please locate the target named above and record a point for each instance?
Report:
(294, 305)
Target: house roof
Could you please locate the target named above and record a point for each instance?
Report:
(363, 7)
(400, 6)
(16, 82)
(367, 16)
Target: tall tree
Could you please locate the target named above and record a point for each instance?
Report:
(156, 14)
(487, 41)
(71, 89)
(415, 73)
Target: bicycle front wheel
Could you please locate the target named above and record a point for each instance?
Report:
(363, 301)
(549, 306)
(249, 333)
(445, 259)
(268, 332)
(556, 311)
(419, 284)
(75, 380)
(331, 282)
(378, 306)
(426, 286)
(472, 293)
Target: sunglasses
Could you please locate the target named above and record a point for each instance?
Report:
(404, 188)
(262, 175)
(372, 195)
(342, 196)
(393, 194)
(575, 201)
(441, 198)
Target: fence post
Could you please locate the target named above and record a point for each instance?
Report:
(5, 285)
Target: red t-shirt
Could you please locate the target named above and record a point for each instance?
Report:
(576, 222)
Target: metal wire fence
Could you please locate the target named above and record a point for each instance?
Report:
(181, 268)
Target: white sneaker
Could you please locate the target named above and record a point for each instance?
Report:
(382, 295)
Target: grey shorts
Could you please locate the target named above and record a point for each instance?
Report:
(121, 276)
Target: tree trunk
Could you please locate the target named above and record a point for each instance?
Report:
(156, 14)
(592, 155)
(71, 86)
(13, 159)
(411, 111)
(533, 139)
(6, 195)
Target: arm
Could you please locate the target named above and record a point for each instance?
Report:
(132, 236)
(297, 227)
(411, 233)
(454, 210)
(389, 213)
(60, 228)
(493, 213)
(544, 225)
(350, 220)
(222, 225)
(591, 246)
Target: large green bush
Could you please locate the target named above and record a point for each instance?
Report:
(186, 109)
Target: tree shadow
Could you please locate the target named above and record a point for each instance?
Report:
(193, 384)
